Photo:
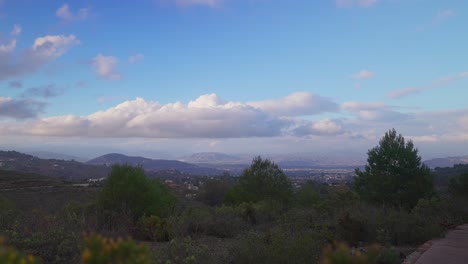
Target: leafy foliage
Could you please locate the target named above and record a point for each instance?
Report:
(13, 256)
(459, 185)
(394, 174)
(155, 229)
(340, 253)
(102, 250)
(127, 192)
(262, 181)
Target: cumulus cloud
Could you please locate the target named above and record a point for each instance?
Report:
(47, 91)
(186, 3)
(297, 104)
(44, 50)
(206, 117)
(66, 14)
(322, 127)
(105, 67)
(361, 3)
(20, 108)
(364, 74)
(134, 58)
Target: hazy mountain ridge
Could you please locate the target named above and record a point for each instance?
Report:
(446, 162)
(291, 160)
(54, 155)
(153, 164)
(64, 169)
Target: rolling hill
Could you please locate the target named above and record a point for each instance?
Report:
(153, 164)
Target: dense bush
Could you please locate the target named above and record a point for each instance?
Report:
(12, 256)
(459, 185)
(127, 195)
(155, 229)
(214, 191)
(308, 195)
(277, 245)
(102, 250)
(262, 181)
(340, 253)
(183, 251)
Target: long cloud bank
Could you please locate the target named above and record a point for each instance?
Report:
(299, 115)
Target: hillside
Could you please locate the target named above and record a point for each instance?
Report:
(153, 164)
(14, 179)
(64, 169)
(446, 162)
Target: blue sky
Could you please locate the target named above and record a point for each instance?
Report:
(236, 76)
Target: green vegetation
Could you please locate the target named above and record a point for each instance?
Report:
(102, 250)
(459, 185)
(394, 174)
(262, 181)
(257, 218)
(128, 195)
(12, 256)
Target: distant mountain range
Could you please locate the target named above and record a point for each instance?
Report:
(54, 155)
(294, 160)
(63, 169)
(446, 162)
(153, 164)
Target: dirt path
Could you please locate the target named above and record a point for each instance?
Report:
(452, 249)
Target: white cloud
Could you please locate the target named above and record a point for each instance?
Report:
(364, 74)
(65, 14)
(205, 117)
(105, 67)
(323, 127)
(297, 104)
(44, 50)
(134, 58)
(210, 3)
(7, 48)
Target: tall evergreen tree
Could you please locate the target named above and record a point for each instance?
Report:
(394, 174)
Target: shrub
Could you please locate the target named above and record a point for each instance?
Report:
(127, 195)
(308, 196)
(341, 253)
(214, 192)
(12, 256)
(185, 251)
(262, 181)
(155, 229)
(459, 185)
(102, 250)
(278, 245)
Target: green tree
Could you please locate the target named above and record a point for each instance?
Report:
(127, 192)
(394, 174)
(262, 181)
(459, 184)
